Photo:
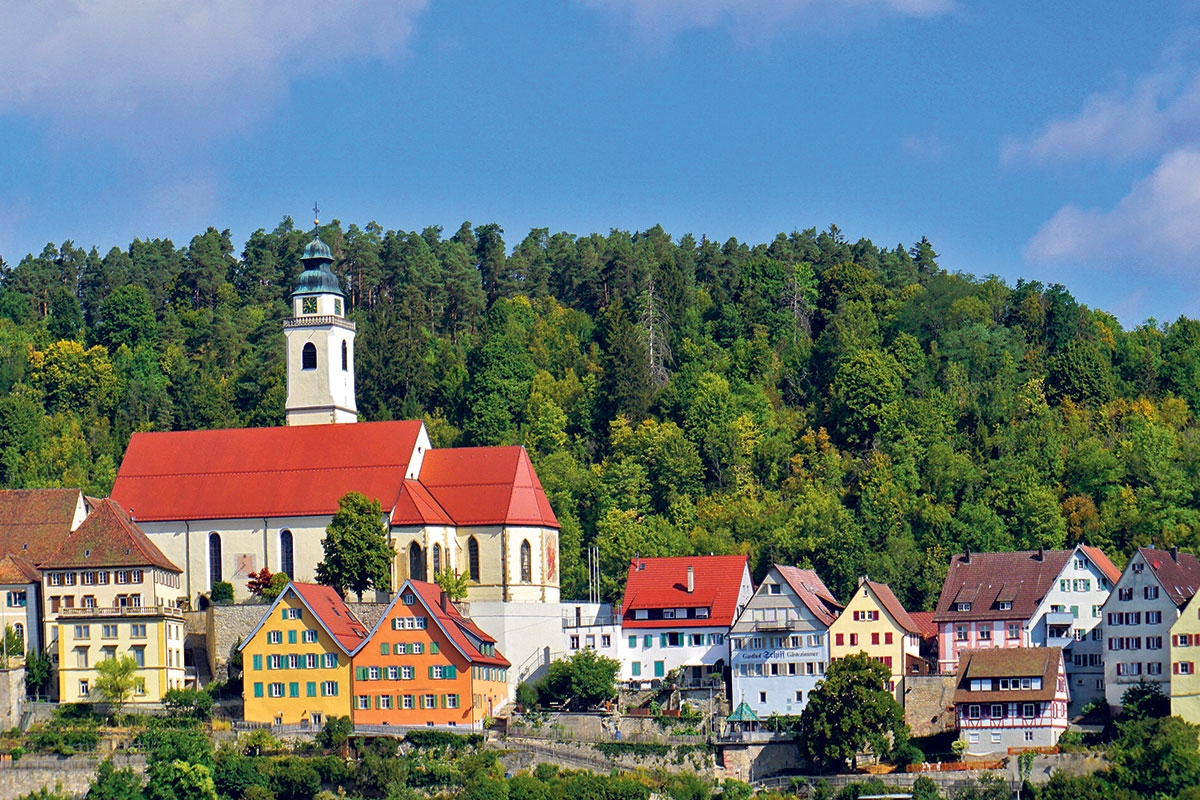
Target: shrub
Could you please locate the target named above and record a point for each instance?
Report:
(222, 593)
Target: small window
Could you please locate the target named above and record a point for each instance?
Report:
(526, 562)
(345, 357)
(473, 558)
(308, 356)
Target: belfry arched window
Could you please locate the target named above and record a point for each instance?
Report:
(437, 559)
(308, 356)
(287, 557)
(526, 562)
(473, 558)
(345, 357)
(416, 562)
(215, 575)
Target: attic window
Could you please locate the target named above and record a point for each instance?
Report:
(775, 588)
(1005, 605)
(87, 553)
(701, 613)
(641, 613)
(1138, 567)
(962, 606)
(668, 613)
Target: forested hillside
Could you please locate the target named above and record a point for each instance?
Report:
(808, 400)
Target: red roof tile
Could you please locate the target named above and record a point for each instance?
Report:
(984, 579)
(486, 486)
(657, 583)
(889, 601)
(34, 522)
(417, 507)
(1177, 573)
(462, 631)
(812, 591)
(262, 472)
(1103, 562)
(16, 572)
(331, 611)
(107, 538)
(924, 622)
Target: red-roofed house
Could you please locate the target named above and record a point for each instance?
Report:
(874, 622)
(296, 661)
(425, 664)
(779, 646)
(1038, 598)
(33, 522)
(110, 592)
(677, 614)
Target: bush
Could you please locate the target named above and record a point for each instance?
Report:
(194, 703)
(222, 593)
(335, 733)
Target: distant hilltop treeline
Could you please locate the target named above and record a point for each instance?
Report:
(809, 401)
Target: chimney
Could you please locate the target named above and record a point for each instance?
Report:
(967, 556)
(691, 580)
(1175, 553)
(445, 600)
(1041, 556)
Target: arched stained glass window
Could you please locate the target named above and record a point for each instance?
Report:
(215, 574)
(473, 558)
(287, 558)
(526, 562)
(416, 562)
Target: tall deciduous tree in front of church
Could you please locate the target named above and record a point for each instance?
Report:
(357, 554)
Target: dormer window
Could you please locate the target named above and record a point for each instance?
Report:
(962, 606)
(701, 613)
(668, 613)
(1005, 605)
(641, 613)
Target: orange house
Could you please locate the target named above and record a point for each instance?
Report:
(425, 664)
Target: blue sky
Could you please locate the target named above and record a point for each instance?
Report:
(1051, 141)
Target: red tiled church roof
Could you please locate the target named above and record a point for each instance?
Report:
(262, 472)
(304, 470)
(657, 583)
(107, 538)
(486, 486)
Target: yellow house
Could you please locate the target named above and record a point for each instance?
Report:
(874, 622)
(1185, 657)
(114, 593)
(296, 661)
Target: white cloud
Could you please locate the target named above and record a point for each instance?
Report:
(138, 69)
(1154, 114)
(754, 19)
(1155, 226)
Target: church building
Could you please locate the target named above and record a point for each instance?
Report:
(223, 504)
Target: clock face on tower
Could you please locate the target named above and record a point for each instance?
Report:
(308, 305)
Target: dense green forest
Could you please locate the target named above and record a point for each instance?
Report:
(810, 400)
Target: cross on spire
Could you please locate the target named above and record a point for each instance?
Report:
(316, 211)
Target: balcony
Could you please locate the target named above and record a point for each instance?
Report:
(120, 611)
(1060, 618)
(301, 322)
(609, 621)
(777, 625)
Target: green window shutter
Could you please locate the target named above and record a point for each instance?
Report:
(258, 690)
(293, 690)
(1075, 611)
(361, 673)
(433, 647)
(662, 640)
(269, 662)
(383, 648)
(450, 672)
(291, 637)
(311, 689)
(376, 701)
(258, 662)
(431, 672)
(323, 690)
(283, 613)
(443, 701)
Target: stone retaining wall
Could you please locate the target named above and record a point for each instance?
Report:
(929, 703)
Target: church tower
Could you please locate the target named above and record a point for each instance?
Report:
(320, 345)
